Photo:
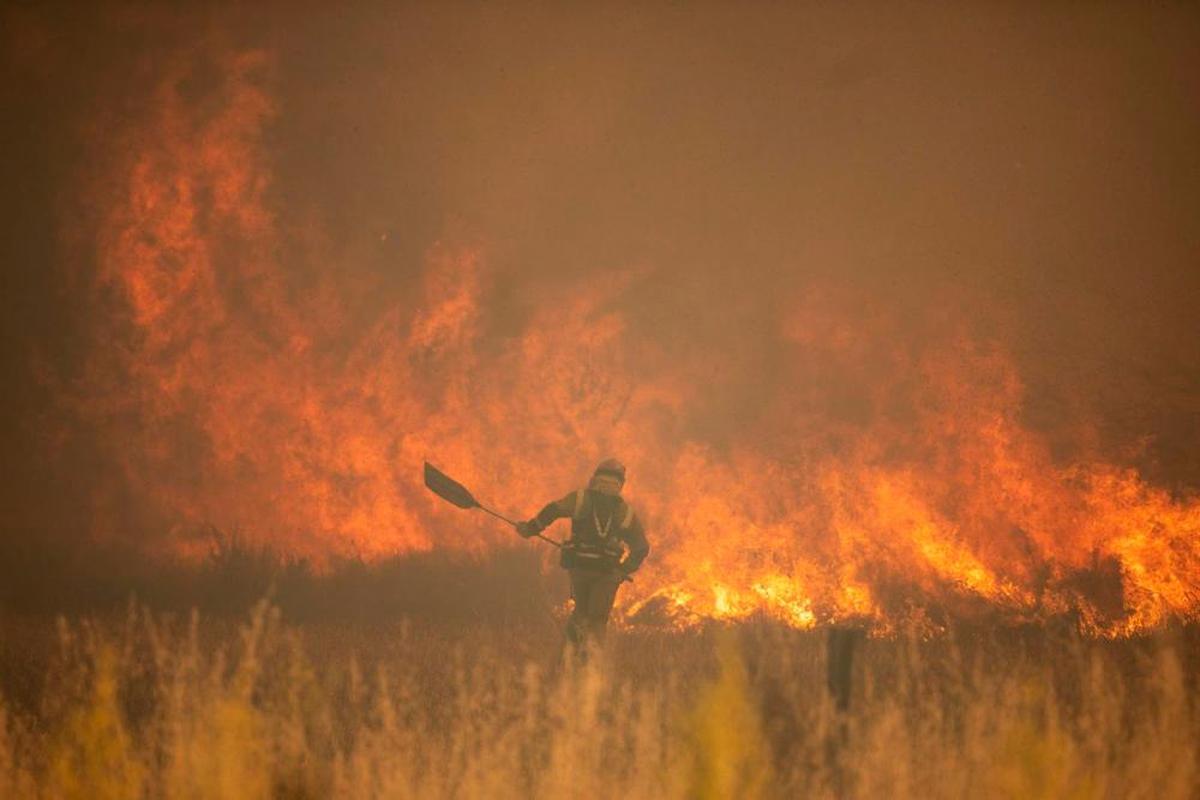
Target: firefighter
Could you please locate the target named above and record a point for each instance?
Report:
(606, 546)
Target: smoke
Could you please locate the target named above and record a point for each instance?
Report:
(881, 306)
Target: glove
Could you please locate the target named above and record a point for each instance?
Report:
(527, 529)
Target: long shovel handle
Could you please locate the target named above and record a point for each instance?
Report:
(514, 524)
(487, 510)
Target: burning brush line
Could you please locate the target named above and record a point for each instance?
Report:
(887, 475)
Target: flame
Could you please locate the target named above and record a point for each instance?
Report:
(887, 473)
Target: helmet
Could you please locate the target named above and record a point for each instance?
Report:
(609, 477)
(610, 466)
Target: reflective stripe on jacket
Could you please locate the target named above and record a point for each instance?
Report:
(597, 519)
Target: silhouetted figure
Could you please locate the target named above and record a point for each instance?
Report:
(607, 544)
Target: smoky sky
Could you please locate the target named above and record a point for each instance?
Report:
(1031, 167)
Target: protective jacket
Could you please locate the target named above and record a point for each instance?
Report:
(603, 528)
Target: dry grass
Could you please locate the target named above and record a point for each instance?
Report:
(153, 706)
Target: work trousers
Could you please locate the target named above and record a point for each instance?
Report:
(593, 593)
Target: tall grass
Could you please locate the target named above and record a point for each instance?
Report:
(143, 705)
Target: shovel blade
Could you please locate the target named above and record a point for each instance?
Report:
(447, 488)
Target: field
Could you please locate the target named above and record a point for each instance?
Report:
(438, 703)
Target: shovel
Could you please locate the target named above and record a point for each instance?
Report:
(454, 492)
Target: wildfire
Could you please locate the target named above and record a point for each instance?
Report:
(885, 473)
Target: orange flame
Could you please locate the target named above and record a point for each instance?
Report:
(885, 475)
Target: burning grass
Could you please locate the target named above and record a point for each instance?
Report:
(813, 435)
(143, 704)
